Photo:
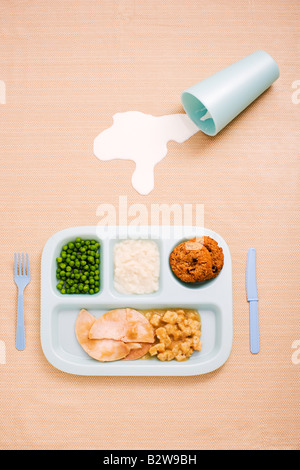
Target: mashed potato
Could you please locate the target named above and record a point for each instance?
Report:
(136, 267)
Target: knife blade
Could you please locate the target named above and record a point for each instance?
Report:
(252, 297)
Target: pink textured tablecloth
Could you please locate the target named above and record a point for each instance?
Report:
(68, 67)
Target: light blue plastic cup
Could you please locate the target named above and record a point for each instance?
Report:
(216, 101)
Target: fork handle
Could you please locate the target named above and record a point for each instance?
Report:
(20, 336)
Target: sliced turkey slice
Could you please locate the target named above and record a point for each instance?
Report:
(138, 353)
(125, 325)
(103, 350)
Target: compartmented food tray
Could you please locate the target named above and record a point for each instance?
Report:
(212, 299)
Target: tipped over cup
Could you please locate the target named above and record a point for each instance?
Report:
(217, 100)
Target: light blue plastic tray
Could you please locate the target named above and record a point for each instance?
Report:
(213, 300)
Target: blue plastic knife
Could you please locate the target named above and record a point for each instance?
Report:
(252, 298)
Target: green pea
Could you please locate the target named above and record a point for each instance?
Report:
(63, 291)
(78, 267)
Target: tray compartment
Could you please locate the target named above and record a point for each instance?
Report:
(63, 339)
(110, 256)
(56, 250)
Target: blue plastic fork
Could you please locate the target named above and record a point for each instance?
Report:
(22, 278)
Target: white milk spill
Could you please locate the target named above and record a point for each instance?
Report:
(142, 138)
(206, 116)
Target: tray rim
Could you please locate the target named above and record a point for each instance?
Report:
(187, 368)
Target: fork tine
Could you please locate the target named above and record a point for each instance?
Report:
(28, 267)
(20, 267)
(16, 265)
(23, 262)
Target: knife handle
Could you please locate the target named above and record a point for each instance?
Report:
(254, 327)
